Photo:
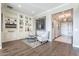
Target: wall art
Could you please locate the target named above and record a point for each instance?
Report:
(21, 16)
(21, 22)
(40, 23)
(10, 23)
(26, 17)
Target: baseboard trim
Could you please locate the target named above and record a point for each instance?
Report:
(57, 37)
(12, 40)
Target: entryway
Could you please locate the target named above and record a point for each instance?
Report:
(63, 26)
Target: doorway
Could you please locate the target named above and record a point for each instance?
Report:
(63, 26)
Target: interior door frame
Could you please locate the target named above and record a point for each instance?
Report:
(72, 22)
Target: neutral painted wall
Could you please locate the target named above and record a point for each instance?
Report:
(0, 27)
(76, 27)
(17, 33)
(75, 20)
(66, 28)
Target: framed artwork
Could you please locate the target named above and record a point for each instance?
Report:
(21, 16)
(29, 18)
(28, 29)
(10, 23)
(40, 23)
(21, 22)
(26, 22)
(21, 26)
(26, 17)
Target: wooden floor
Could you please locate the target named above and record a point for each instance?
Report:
(18, 48)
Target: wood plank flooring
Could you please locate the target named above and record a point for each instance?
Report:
(19, 48)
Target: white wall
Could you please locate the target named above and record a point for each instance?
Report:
(66, 28)
(75, 20)
(76, 27)
(0, 27)
(17, 33)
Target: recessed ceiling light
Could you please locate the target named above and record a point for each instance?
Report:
(19, 6)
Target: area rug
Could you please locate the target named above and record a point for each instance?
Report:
(32, 44)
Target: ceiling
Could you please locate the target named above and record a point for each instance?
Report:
(33, 9)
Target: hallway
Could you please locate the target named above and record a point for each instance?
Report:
(64, 39)
(63, 26)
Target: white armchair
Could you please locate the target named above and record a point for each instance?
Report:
(42, 36)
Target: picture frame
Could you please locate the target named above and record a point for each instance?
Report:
(10, 23)
(21, 16)
(26, 17)
(41, 23)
